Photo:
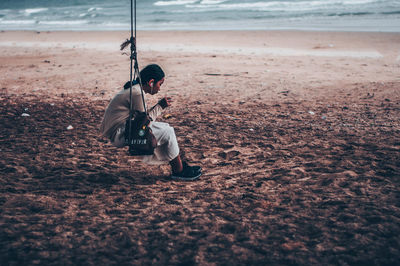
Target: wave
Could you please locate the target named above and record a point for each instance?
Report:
(94, 9)
(18, 22)
(395, 12)
(357, 2)
(116, 24)
(64, 22)
(84, 15)
(344, 14)
(212, 2)
(53, 22)
(174, 3)
(201, 14)
(30, 11)
(276, 5)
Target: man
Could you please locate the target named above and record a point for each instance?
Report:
(117, 112)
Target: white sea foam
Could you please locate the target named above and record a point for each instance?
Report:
(94, 9)
(212, 2)
(4, 11)
(280, 5)
(116, 25)
(34, 10)
(257, 6)
(18, 22)
(357, 2)
(63, 22)
(174, 3)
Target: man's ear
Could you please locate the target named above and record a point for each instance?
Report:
(151, 82)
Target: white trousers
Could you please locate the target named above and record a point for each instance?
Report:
(167, 145)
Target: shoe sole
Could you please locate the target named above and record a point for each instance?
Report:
(185, 178)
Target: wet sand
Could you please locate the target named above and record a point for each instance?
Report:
(297, 133)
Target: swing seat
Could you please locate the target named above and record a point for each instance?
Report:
(138, 135)
(132, 151)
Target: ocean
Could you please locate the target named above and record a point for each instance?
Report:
(324, 15)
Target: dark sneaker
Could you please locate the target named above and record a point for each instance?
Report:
(188, 173)
(195, 167)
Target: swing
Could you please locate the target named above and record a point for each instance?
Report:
(138, 135)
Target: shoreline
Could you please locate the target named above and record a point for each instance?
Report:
(205, 30)
(199, 30)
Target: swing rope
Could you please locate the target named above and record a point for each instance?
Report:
(134, 66)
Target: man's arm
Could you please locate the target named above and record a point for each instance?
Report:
(156, 110)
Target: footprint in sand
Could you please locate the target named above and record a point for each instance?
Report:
(226, 146)
(228, 155)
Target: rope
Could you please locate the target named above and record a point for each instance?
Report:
(134, 67)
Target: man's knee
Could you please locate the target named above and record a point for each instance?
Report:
(164, 133)
(169, 133)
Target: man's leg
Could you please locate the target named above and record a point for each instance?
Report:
(181, 170)
(167, 146)
(168, 150)
(176, 165)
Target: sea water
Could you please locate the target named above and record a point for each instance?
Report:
(327, 15)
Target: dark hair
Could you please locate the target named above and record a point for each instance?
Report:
(152, 71)
(128, 84)
(148, 73)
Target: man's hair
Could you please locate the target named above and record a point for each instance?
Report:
(152, 71)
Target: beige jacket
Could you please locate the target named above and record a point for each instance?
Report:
(117, 111)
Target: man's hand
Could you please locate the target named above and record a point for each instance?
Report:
(165, 102)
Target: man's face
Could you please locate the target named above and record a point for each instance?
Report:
(154, 87)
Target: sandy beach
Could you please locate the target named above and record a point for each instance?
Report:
(297, 133)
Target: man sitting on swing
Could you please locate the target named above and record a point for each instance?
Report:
(117, 112)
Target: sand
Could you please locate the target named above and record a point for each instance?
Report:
(297, 133)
